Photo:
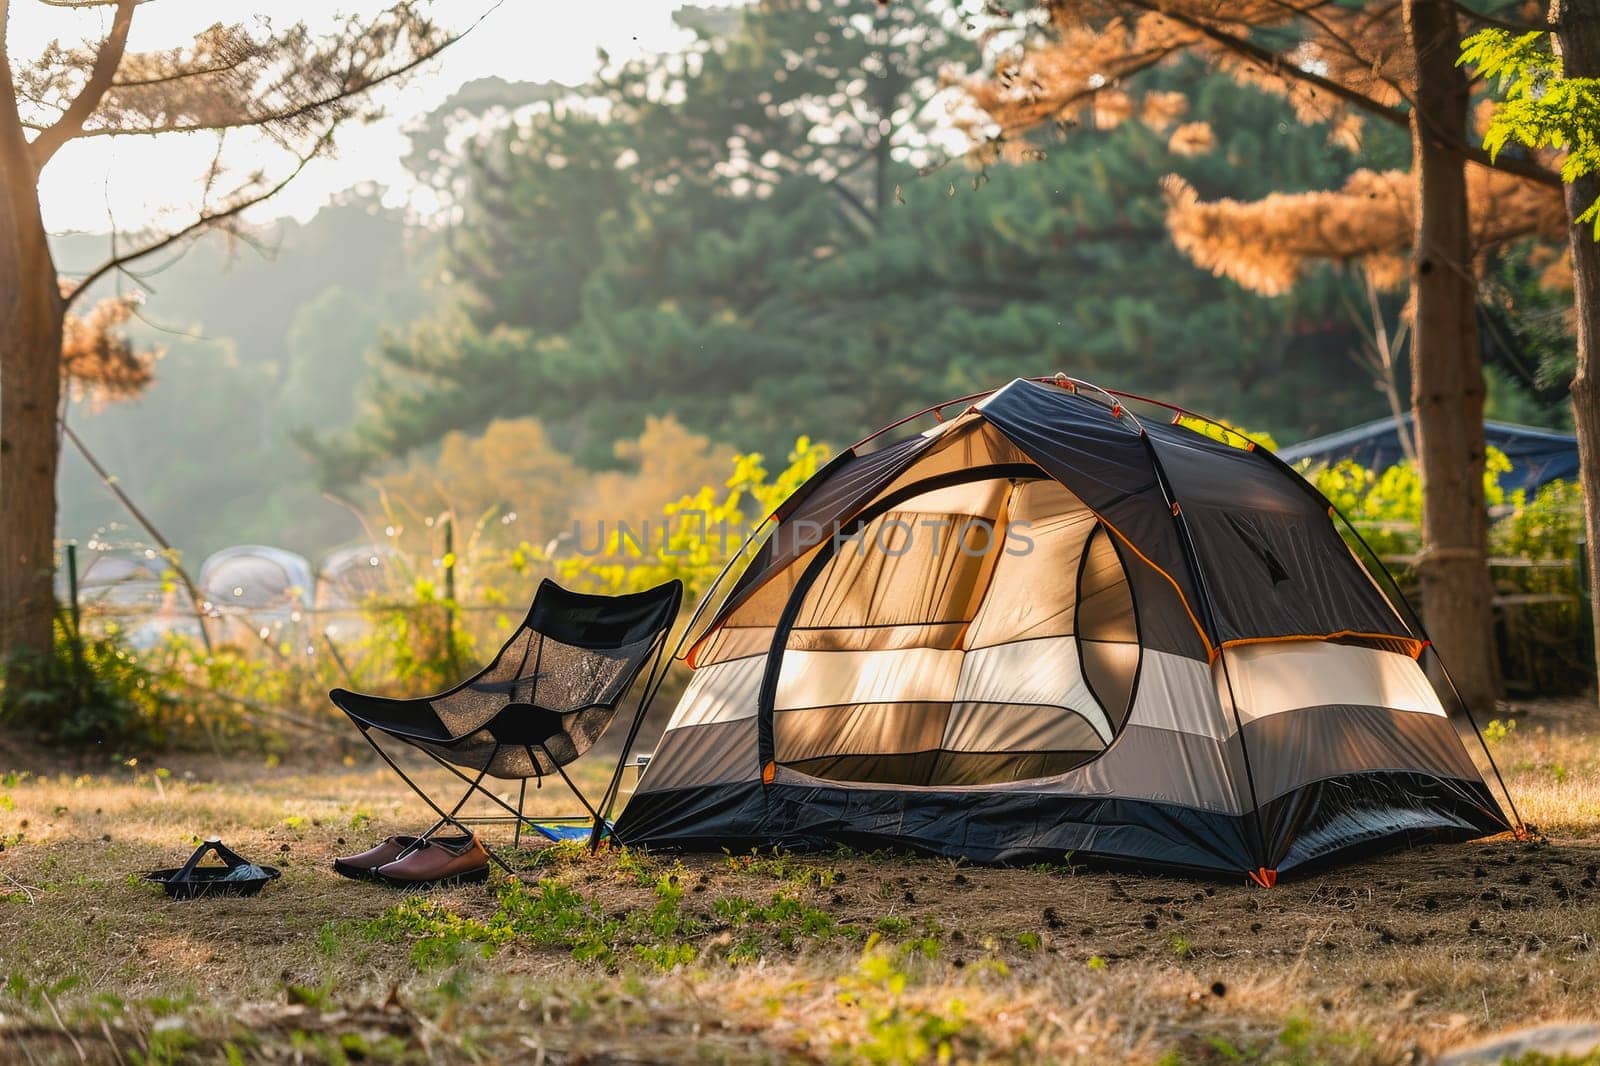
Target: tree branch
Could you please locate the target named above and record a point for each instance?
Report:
(1350, 49)
(300, 110)
(848, 196)
(106, 61)
(1521, 167)
(177, 75)
(257, 121)
(1275, 62)
(204, 222)
(1040, 113)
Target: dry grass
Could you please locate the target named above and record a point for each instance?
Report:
(868, 958)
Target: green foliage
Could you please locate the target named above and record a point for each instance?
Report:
(549, 913)
(785, 918)
(1546, 527)
(1524, 305)
(1499, 730)
(898, 1029)
(88, 689)
(33, 993)
(784, 866)
(1542, 108)
(1533, 545)
(166, 1047)
(427, 646)
(1222, 430)
(1386, 505)
(697, 534)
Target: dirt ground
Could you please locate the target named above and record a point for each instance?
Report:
(844, 957)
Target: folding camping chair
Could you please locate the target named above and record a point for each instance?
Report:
(545, 699)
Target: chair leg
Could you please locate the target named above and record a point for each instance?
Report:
(440, 811)
(575, 790)
(426, 834)
(475, 784)
(490, 796)
(522, 796)
(445, 817)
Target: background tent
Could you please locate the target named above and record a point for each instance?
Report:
(131, 587)
(347, 581)
(1537, 455)
(350, 576)
(257, 578)
(257, 588)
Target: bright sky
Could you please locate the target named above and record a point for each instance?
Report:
(521, 40)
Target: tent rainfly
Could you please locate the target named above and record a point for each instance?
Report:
(1537, 456)
(1046, 627)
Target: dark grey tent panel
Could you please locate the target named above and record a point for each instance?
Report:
(1538, 456)
(1047, 626)
(1273, 563)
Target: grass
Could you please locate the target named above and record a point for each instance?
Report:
(747, 958)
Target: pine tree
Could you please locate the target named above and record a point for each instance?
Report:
(759, 304)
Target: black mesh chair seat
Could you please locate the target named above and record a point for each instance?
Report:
(543, 701)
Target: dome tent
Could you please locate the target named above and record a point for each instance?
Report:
(256, 578)
(132, 587)
(350, 576)
(1132, 642)
(256, 592)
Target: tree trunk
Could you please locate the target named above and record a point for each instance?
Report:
(30, 390)
(1577, 40)
(1447, 374)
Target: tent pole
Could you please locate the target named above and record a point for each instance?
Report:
(1413, 622)
(652, 684)
(1401, 605)
(1409, 613)
(1191, 558)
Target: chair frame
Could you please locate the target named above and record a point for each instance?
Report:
(597, 814)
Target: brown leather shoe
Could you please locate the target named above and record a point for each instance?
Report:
(438, 862)
(363, 867)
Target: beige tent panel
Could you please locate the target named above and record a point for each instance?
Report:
(1284, 676)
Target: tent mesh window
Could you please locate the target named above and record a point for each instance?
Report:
(976, 633)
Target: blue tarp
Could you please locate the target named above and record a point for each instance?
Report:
(1537, 455)
(561, 831)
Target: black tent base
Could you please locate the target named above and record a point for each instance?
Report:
(1334, 820)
